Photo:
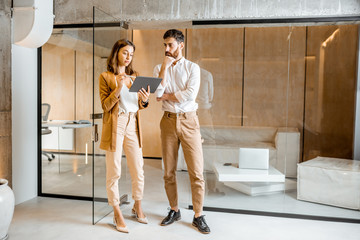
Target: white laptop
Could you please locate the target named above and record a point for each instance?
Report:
(254, 158)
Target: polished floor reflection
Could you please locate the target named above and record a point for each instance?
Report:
(70, 219)
(72, 175)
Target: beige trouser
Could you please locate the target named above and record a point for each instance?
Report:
(127, 136)
(183, 128)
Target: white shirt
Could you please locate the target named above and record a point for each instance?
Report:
(206, 92)
(128, 100)
(183, 79)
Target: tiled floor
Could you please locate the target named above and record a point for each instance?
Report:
(51, 219)
(75, 178)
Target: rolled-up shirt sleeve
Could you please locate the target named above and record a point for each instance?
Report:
(160, 89)
(192, 86)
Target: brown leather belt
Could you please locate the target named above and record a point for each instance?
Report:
(180, 115)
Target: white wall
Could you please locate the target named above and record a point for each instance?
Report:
(24, 123)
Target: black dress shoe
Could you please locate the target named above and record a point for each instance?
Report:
(201, 225)
(171, 217)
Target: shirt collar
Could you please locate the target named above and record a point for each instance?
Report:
(182, 59)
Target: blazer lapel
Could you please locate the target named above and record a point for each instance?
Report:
(111, 81)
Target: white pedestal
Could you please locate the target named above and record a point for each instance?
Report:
(234, 174)
(259, 188)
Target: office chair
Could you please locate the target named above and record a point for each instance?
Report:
(45, 109)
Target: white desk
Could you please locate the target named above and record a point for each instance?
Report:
(62, 136)
(65, 124)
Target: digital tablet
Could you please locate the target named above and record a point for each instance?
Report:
(143, 82)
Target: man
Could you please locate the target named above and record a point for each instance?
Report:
(180, 124)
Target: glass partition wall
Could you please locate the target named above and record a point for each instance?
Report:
(276, 109)
(281, 136)
(258, 84)
(105, 35)
(277, 118)
(72, 164)
(66, 108)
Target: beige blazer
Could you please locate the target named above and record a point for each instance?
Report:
(110, 105)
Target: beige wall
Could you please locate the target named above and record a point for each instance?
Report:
(58, 81)
(273, 78)
(69, 92)
(330, 91)
(83, 100)
(220, 51)
(100, 66)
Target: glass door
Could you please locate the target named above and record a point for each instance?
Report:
(66, 101)
(106, 31)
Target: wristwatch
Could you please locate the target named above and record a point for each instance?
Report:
(144, 103)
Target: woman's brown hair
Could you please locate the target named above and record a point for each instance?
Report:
(112, 61)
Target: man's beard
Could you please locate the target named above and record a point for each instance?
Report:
(175, 55)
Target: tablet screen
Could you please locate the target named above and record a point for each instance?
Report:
(143, 82)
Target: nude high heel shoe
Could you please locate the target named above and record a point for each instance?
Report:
(140, 220)
(120, 229)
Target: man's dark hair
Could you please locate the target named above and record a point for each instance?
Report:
(177, 34)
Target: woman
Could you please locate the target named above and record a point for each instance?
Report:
(121, 128)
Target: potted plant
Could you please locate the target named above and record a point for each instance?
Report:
(7, 203)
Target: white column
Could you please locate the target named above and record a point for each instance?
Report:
(24, 122)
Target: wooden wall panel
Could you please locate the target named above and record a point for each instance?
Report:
(150, 52)
(330, 91)
(220, 52)
(58, 78)
(84, 99)
(273, 90)
(76, 88)
(100, 66)
(271, 98)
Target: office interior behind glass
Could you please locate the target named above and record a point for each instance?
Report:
(277, 111)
